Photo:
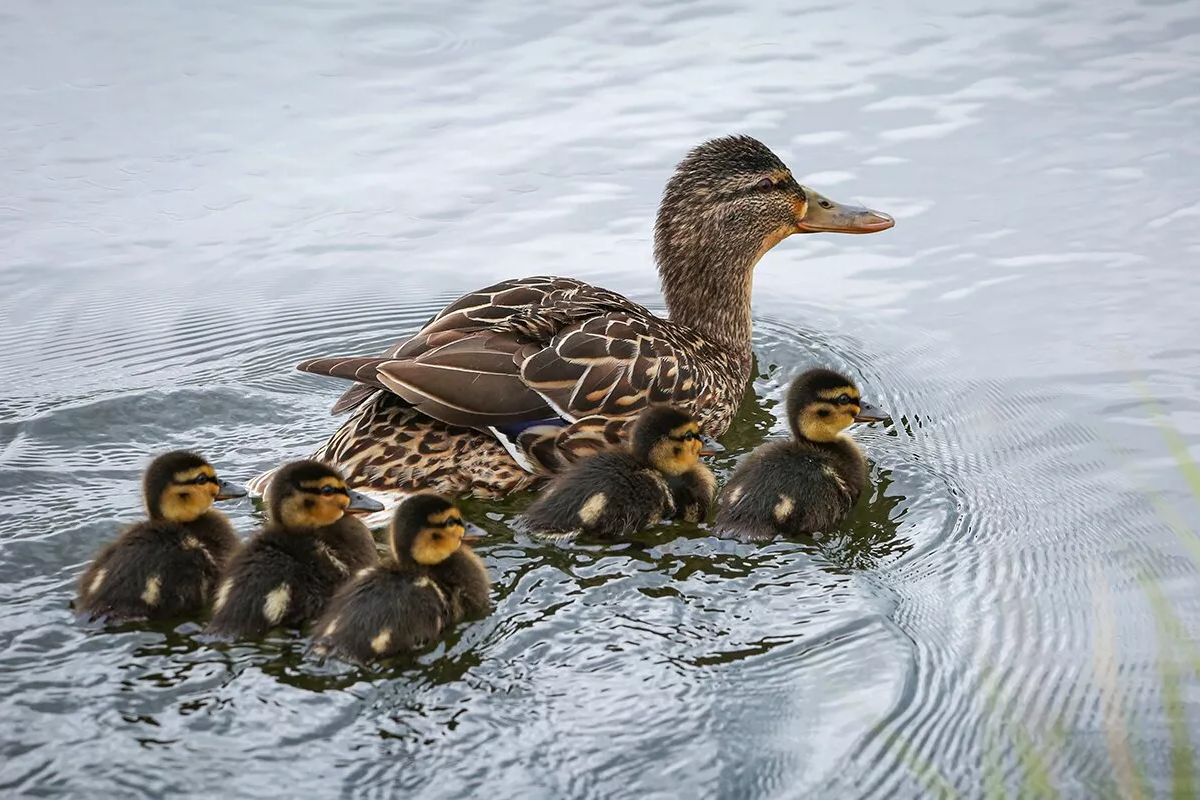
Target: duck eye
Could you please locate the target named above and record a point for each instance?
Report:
(765, 184)
(327, 490)
(824, 203)
(844, 398)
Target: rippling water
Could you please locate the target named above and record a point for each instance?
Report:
(198, 196)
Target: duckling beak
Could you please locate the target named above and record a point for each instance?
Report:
(822, 215)
(361, 504)
(710, 446)
(473, 532)
(228, 491)
(870, 413)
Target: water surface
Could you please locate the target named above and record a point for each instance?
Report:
(198, 196)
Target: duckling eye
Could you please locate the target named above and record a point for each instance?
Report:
(844, 398)
(328, 490)
(765, 184)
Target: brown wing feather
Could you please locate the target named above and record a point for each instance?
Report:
(535, 348)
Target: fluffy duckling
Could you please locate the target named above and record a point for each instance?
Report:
(811, 481)
(616, 492)
(287, 573)
(164, 566)
(431, 581)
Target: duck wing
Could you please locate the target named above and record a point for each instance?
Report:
(527, 351)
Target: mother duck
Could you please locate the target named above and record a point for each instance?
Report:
(508, 383)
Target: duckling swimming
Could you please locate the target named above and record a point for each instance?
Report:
(430, 582)
(616, 492)
(287, 573)
(811, 481)
(165, 566)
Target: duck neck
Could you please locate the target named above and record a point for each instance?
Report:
(707, 277)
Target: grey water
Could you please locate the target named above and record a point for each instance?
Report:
(197, 196)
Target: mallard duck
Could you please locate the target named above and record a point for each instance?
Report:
(616, 492)
(164, 566)
(810, 482)
(431, 581)
(515, 380)
(285, 575)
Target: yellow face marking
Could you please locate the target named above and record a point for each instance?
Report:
(784, 508)
(151, 593)
(592, 508)
(97, 581)
(445, 516)
(672, 457)
(381, 641)
(277, 602)
(834, 394)
(306, 510)
(434, 545)
(321, 483)
(824, 422)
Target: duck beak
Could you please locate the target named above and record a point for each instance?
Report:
(822, 215)
(472, 532)
(710, 446)
(361, 504)
(870, 413)
(228, 491)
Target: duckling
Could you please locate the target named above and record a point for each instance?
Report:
(618, 491)
(288, 572)
(164, 566)
(431, 581)
(811, 481)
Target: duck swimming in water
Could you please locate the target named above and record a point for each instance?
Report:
(167, 565)
(522, 377)
(284, 576)
(432, 581)
(808, 483)
(616, 492)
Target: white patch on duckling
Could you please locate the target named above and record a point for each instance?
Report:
(381, 641)
(223, 594)
(331, 627)
(425, 582)
(735, 494)
(592, 508)
(276, 604)
(152, 591)
(97, 581)
(784, 508)
(327, 552)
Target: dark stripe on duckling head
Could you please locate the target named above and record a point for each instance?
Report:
(303, 484)
(416, 521)
(160, 476)
(652, 426)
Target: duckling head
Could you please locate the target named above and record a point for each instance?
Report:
(180, 486)
(309, 494)
(822, 403)
(667, 439)
(426, 530)
(730, 201)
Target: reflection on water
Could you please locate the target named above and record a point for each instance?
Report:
(196, 199)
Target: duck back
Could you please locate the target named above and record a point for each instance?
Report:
(382, 613)
(608, 495)
(157, 570)
(792, 488)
